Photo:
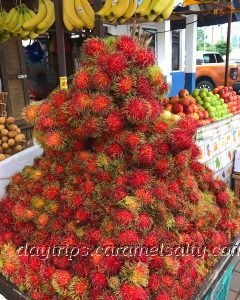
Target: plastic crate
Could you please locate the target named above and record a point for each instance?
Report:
(221, 289)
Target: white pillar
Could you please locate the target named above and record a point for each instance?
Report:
(164, 47)
(191, 48)
(182, 45)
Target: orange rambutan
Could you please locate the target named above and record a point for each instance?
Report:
(101, 81)
(44, 109)
(82, 80)
(54, 140)
(81, 102)
(136, 110)
(58, 98)
(124, 85)
(30, 113)
(61, 277)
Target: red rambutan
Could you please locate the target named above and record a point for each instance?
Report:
(100, 103)
(164, 296)
(144, 221)
(58, 98)
(160, 127)
(144, 88)
(144, 196)
(128, 237)
(62, 278)
(99, 280)
(44, 109)
(93, 46)
(139, 178)
(133, 292)
(45, 123)
(101, 81)
(145, 155)
(124, 85)
(82, 80)
(136, 110)
(223, 198)
(132, 140)
(91, 126)
(179, 139)
(81, 102)
(126, 45)
(154, 282)
(116, 64)
(114, 122)
(54, 140)
(51, 192)
(188, 124)
(162, 167)
(144, 58)
(124, 217)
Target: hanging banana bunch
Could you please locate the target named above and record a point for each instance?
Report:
(4, 35)
(78, 14)
(149, 10)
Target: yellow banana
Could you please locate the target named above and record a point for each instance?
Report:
(168, 11)
(88, 9)
(49, 19)
(105, 9)
(26, 17)
(41, 15)
(131, 9)
(67, 23)
(10, 15)
(111, 19)
(83, 15)
(159, 7)
(3, 15)
(18, 27)
(149, 12)
(33, 35)
(31, 13)
(158, 20)
(69, 9)
(151, 17)
(120, 8)
(11, 25)
(142, 8)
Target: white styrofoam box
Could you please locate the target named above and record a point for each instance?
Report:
(15, 164)
(237, 161)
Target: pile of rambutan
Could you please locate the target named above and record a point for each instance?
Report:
(114, 173)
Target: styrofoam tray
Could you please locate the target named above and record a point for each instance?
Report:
(15, 164)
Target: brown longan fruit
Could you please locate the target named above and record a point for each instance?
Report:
(18, 130)
(4, 139)
(2, 120)
(12, 127)
(2, 127)
(18, 148)
(12, 134)
(19, 138)
(5, 146)
(10, 120)
(11, 142)
(2, 157)
(4, 132)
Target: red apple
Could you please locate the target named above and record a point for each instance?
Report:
(188, 109)
(169, 107)
(177, 108)
(181, 114)
(185, 101)
(195, 108)
(192, 100)
(205, 114)
(200, 115)
(174, 99)
(183, 93)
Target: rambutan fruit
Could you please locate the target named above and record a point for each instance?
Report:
(195, 151)
(112, 265)
(45, 123)
(160, 192)
(93, 47)
(188, 124)
(100, 104)
(81, 102)
(154, 282)
(61, 262)
(136, 110)
(223, 198)
(160, 127)
(128, 237)
(144, 58)
(195, 197)
(145, 155)
(116, 64)
(144, 87)
(101, 81)
(54, 140)
(124, 85)
(30, 113)
(151, 240)
(43, 220)
(144, 221)
(161, 167)
(124, 217)
(82, 80)
(180, 159)
(181, 223)
(114, 283)
(61, 278)
(197, 167)
(81, 216)
(144, 196)
(132, 140)
(78, 288)
(91, 127)
(94, 236)
(113, 122)
(44, 109)
(139, 178)
(17, 178)
(58, 98)
(51, 192)
(164, 296)
(133, 292)
(99, 280)
(179, 139)
(38, 203)
(126, 45)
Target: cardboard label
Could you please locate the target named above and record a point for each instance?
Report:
(63, 83)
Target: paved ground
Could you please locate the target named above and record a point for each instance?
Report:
(235, 285)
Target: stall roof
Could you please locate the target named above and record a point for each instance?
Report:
(204, 19)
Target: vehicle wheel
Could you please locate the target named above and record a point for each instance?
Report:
(205, 84)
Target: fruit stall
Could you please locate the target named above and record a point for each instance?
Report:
(120, 165)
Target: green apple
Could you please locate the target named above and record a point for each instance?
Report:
(202, 94)
(195, 93)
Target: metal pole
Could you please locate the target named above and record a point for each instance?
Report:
(228, 48)
(60, 45)
(99, 24)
